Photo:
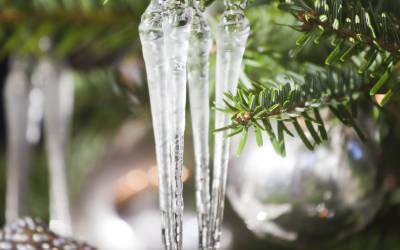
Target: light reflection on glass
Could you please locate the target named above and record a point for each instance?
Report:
(308, 196)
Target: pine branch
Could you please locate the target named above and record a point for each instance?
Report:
(362, 34)
(296, 101)
(87, 34)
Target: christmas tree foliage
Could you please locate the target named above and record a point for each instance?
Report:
(359, 47)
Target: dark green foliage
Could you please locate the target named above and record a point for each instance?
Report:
(361, 31)
(294, 101)
(87, 33)
(363, 43)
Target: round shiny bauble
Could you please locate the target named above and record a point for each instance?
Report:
(32, 233)
(307, 197)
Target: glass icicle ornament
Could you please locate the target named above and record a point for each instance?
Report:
(232, 34)
(177, 23)
(35, 114)
(152, 40)
(16, 95)
(58, 91)
(198, 79)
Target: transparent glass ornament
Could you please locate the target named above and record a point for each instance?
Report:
(177, 28)
(307, 197)
(57, 86)
(152, 40)
(232, 34)
(198, 79)
(16, 96)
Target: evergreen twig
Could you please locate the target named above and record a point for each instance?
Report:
(297, 102)
(358, 31)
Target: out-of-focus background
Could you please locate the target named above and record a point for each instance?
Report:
(345, 195)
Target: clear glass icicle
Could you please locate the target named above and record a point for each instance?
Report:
(152, 39)
(58, 91)
(232, 34)
(198, 79)
(16, 95)
(177, 29)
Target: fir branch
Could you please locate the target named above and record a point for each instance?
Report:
(380, 32)
(360, 32)
(296, 102)
(87, 34)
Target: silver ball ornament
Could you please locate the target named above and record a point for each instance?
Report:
(307, 197)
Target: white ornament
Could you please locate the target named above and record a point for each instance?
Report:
(165, 32)
(177, 29)
(56, 83)
(152, 39)
(198, 79)
(232, 34)
(16, 95)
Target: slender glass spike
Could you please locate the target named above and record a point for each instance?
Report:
(35, 115)
(152, 39)
(232, 34)
(58, 91)
(16, 95)
(198, 79)
(177, 28)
